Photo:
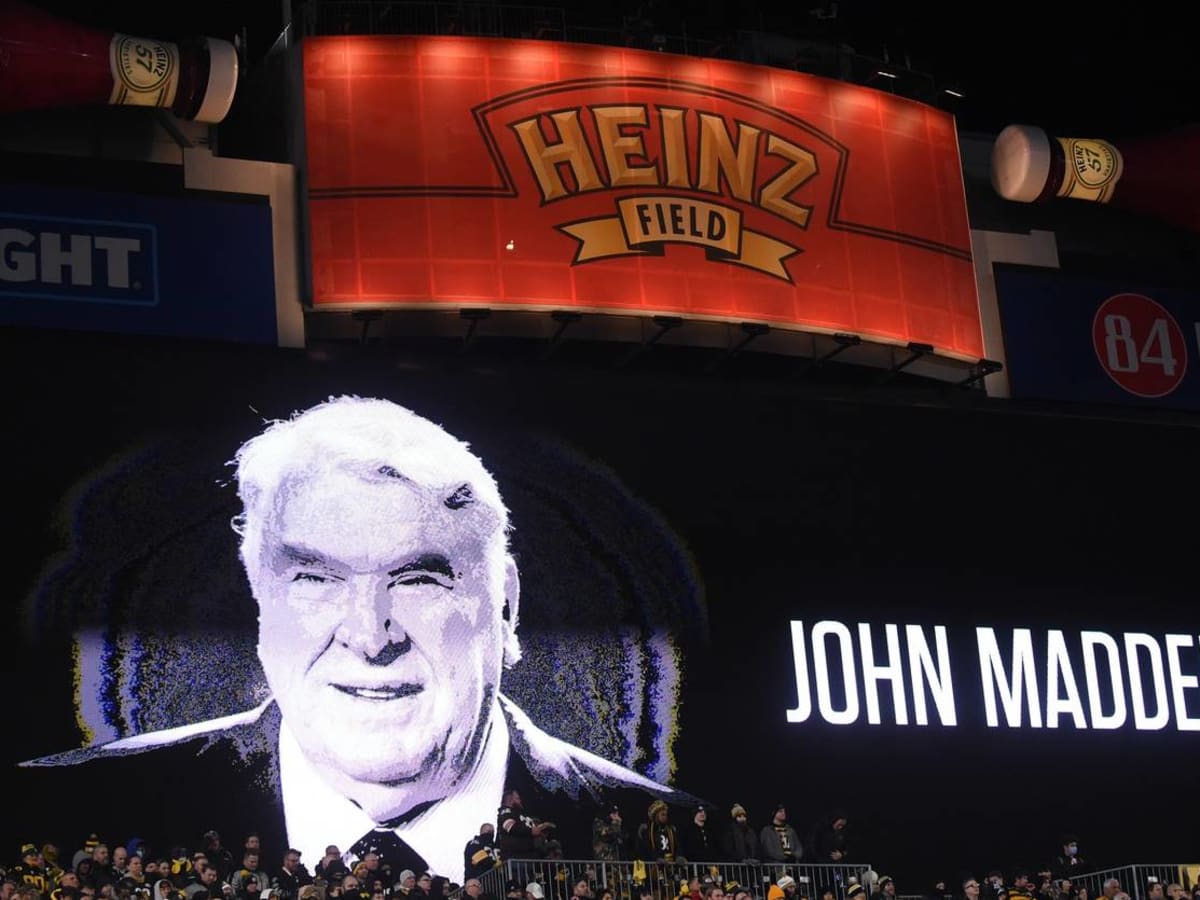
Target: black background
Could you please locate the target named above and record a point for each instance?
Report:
(1075, 69)
(794, 501)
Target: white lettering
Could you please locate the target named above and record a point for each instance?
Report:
(873, 673)
(820, 632)
(16, 265)
(116, 258)
(54, 258)
(1091, 640)
(800, 662)
(1059, 671)
(1162, 711)
(1022, 681)
(924, 674)
(1181, 682)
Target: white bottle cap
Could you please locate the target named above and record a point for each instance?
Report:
(222, 81)
(1021, 163)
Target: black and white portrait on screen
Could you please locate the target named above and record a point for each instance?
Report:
(377, 547)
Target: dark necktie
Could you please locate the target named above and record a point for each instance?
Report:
(393, 852)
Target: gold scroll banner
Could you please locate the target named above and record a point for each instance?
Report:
(643, 224)
(1093, 169)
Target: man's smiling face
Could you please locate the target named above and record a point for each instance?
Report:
(381, 621)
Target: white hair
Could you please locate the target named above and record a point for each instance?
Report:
(376, 440)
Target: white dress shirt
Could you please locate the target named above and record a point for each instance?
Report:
(317, 815)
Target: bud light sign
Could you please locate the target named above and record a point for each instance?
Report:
(78, 259)
(1099, 339)
(182, 264)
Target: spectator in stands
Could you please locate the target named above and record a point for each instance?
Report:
(937, 891)
(178, 868)
(993, 887)
(202, 883)
(135, 871)
(1044, 887)
(68, 887)
(120, 861)
(292, 876)
(778, 841)
(608, 836)
(657, 838)
(50, 862)
(407, 884)
(102, 873)
(248, 870)
(829, 843)
(1175, 891)
(520, 836)
(85, 852)
(740, 843)
(970, 888)
(886, 889)
(331, 867)
(856, 892)
(30, 871)
(218, 856)
(1069, 862)
(1111, 888)
(696, 841)
(480, 855)
(1020, 889)
(424, 888)
(1064, 889)
(376, 870)
(352, 889)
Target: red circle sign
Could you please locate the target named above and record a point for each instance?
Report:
(1140, 345)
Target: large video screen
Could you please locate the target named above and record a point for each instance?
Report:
(306, 595)
(450, 171)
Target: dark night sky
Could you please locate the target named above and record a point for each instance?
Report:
(1097, 68)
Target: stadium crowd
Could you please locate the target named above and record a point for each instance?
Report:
(739, 862)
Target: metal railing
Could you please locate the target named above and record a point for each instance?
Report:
(435, 17)
(627, 879)
(1136, 880)
(481, 18)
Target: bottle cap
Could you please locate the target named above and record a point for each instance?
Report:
(1021, 163)
(222, 81)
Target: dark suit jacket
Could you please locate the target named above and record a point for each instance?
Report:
(172, 786)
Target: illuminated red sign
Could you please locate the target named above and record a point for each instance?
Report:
(468, 171)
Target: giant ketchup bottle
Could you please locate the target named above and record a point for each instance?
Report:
(49, 62)
(1155, 176)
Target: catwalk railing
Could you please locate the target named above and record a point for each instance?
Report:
(625, 879)
(1138, 879)
(487, 18)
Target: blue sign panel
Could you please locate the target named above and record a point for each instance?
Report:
(187, 266)
(1099, 339)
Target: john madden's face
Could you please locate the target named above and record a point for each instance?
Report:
(381, 626)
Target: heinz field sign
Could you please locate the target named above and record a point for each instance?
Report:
(471, 171)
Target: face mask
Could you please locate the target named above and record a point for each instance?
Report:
(1072, 849)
